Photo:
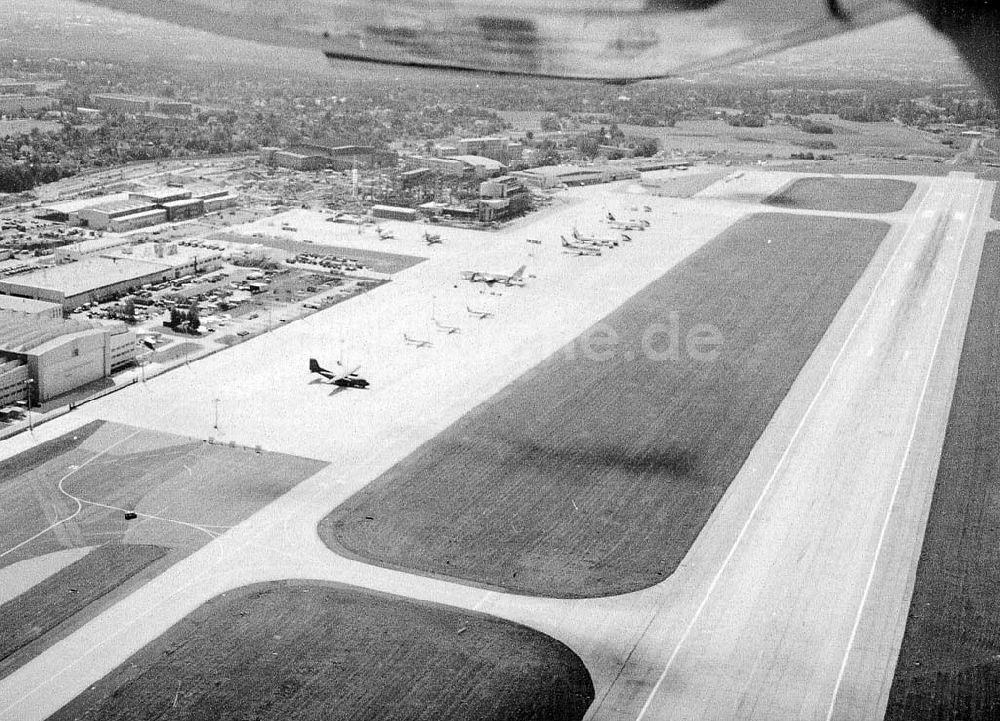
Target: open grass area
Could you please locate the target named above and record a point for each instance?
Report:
(949, 661)
(185, 481)
(593, 473)
(34, 613)
(849, 195)
(297, 650)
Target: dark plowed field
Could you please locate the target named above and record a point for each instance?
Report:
(949, 662)
(283, 652)
(594, 472)
(849, 195)
(34, 613)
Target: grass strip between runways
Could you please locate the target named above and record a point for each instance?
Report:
(593, 473)
(949, 661)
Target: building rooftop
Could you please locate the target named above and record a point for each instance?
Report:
(478, 160)
(22, 334)
(71, 206)
(87, 274)
(26, 305)
(558, 171)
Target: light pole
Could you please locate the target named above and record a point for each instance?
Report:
(216, 426)
(27, 392)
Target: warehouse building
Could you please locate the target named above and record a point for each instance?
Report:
(85, 281)
(23, 104)
(9, 86)
(122, 103)
(184, 209)
(91, 247)
(59, 355)
(101, 217)
(12, 305)
(392, 212)
(494, 148)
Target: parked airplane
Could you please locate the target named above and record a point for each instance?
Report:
(591, 240)
(384, 234)
(629, 225)
(418, 342)
(481, 314)
(476, 276)
(432, 238)
(579, 249)
(342, 377)
(444, 328)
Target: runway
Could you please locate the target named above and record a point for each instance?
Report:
(793, 600)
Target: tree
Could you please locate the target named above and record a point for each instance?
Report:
(128, 309)
(176, 318)
(194, 322)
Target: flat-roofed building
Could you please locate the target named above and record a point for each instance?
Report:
(100, 216)
(122, 103)
(24, 104)
(12, 305)
(68, 211)
(480, 167)
(300, 161)
(159, 196)
(85, 281)
(173, 107)
(550, 176)
(10, 86)
(134, 221)
(91, 246)
(62, 355)
(392, 212)
(184, 209)
(181, 259)
(495, 148)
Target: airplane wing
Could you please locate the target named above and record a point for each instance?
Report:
(613, 40)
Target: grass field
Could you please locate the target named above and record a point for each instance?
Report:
(591, 477)
(857, 195)
(34, 613)
(175, 478)
(194, 489)
(949, 662)
(294, 650)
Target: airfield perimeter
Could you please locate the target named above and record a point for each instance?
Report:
(792, 601)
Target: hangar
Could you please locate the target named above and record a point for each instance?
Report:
(59, 355)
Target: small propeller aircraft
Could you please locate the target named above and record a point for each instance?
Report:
(477, 276)
(481, 314)
(417, 342)
(432, 238)
(343, 378)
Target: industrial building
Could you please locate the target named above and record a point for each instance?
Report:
(59, 355)
(9, 86)
(122, 103)
(23, 104)
(95, 279)
(122, 212)
(552, 176)
(502, 197)
(183, 209)
(11, 305)
(91, 246)
(494, 148)
(392, 212)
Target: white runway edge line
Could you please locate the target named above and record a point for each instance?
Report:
(770, 481)
(902, 468)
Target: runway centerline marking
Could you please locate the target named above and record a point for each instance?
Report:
(770, 481)
(902, 468)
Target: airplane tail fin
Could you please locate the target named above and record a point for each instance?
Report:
(564, 241)
(314, 366)
(519, 273)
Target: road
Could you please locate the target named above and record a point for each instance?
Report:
(791, 604)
